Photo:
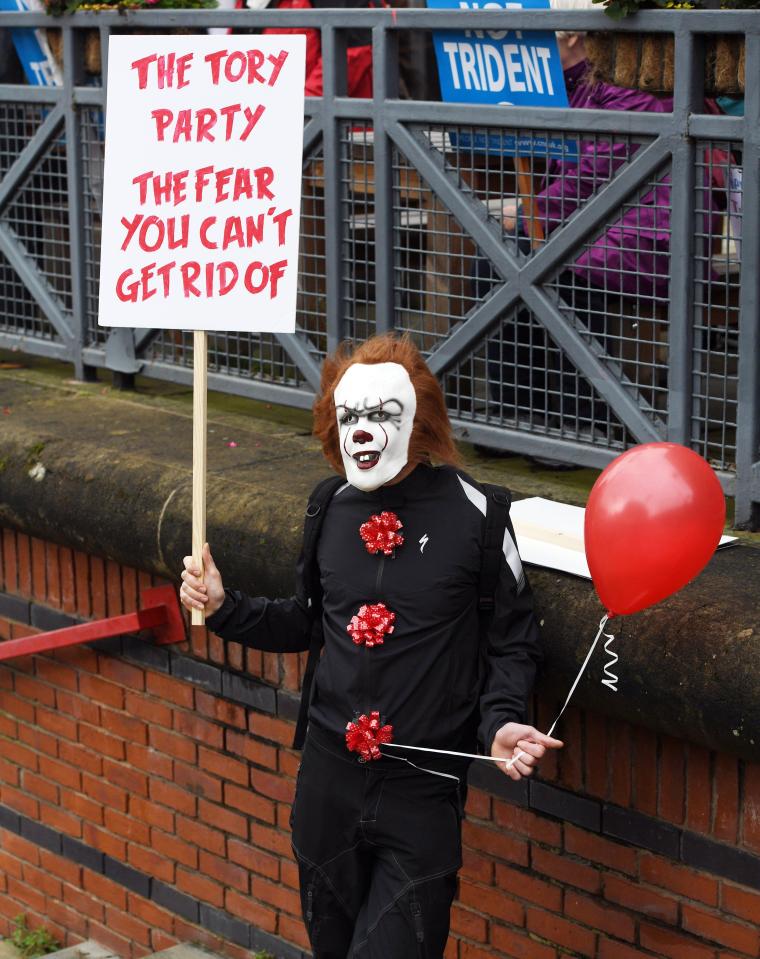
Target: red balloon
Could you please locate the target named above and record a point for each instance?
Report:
(653, 520)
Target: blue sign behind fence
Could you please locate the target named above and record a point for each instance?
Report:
(511, 67)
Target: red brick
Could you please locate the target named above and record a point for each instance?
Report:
(131, 780)
(263, 917)
(85, 904)
(201, 888)
(129, 589)
(9, 773)
(468, 950)
(276, 730)
(9, 565)
(160, 940)
(674, 945)
(478, 804)
(82, 583)
(24, 561)
(101, 742)
(63, 868)
(620, 760)
(468, 924)
(21, 755)
(597, 849)
(56, 723)
(101, 691)
(726, 792)
(289, 874)
(152, 813)
(98, 587)
(19, 801)
(645, 770)
(599, 916)
(198, 728)
(55, 673)
(124, 674)
(128, 926)
(571, 756)
(225, 872)
(169, 689)
(275, 787)
(223, 818)
(612, 949)
(518, 945)
(672, 785)
(686, 882)
(104, 841)
(39, 787)
(276, 895)
(522, 885)
(104, 792)
(641, 899)
(565, 869)
(149, 709)
(219, 709)
(127, 826)
(68, 582)
(249, 803)
(197, 782)
(251, 749)
(29, 688)
(271, 839)
(496, 843)
(255, 860)
(110, 939)
(150, 913)
(711, 926)
(751, 817)
(149, 760)
(41, 741)
(741, 902)
(21, 848)
(77, 706)
(60, 820)
(173, 744)
(203, 836)
(39, 569)
(479, 868)
(79, 757)
(223, 766)
(169, 795)
(113, 589)
(53, 575)
(104, 888)
(293, 930)
(9, 726)
(10, 865)
(82, 806)
(176, 849)
(492, 902)
(70, 919)
(216, 649)
(152, 863)
(527, 823)
(564, 933)
(597, 740)
(25, 893)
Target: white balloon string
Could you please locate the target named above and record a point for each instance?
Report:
(508, 764)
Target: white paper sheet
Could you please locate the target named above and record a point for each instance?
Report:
(551, 534)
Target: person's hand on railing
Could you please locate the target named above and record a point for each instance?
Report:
(206, 594)
(509, 215)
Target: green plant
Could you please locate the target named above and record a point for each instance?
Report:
(618, 9)
(59, 7)
(32, 942)
(263, 955)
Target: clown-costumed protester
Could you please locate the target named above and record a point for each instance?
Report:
(411, 657)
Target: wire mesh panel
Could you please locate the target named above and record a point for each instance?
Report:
(36, 218)
(93, 156)
(312, 269)
(358, 218)
(717, 251)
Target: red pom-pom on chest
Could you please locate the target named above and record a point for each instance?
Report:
(380, 533)
(366, 735)
(371, 624)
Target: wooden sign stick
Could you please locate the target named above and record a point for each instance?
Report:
(200, 372)
(525, 187)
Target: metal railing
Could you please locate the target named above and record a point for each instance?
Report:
(574, 345)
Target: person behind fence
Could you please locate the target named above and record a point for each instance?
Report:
(629, 258)
(410, 578)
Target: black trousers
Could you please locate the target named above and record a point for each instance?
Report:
(378, 847)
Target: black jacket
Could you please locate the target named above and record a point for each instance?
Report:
(428, 679)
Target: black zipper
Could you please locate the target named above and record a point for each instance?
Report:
(367, 685)
(419, 928)
(309, 903)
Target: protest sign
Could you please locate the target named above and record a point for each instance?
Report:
(202, 196)
(202, 182)
(508, 67)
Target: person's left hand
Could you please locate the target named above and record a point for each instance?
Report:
(514, 739)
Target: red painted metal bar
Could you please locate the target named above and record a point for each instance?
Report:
(161, 614)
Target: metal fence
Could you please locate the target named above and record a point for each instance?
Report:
(573, 344)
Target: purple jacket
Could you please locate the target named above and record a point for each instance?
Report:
(632, 255)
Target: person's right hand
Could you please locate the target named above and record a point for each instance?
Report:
(509, 215)
(206, 594)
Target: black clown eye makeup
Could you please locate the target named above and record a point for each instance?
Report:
(349, 417)
(379, 416)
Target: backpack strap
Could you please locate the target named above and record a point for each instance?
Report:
(315, 514)
(497, 512)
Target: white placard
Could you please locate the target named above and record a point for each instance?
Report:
(551, 534)
(202, 193)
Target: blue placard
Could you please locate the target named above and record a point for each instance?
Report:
(31, 48)
(510, 67)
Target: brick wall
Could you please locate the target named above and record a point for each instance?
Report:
(145, 791)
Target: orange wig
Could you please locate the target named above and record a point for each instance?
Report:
(432, 438)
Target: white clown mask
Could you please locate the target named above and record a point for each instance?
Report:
(375, 404)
